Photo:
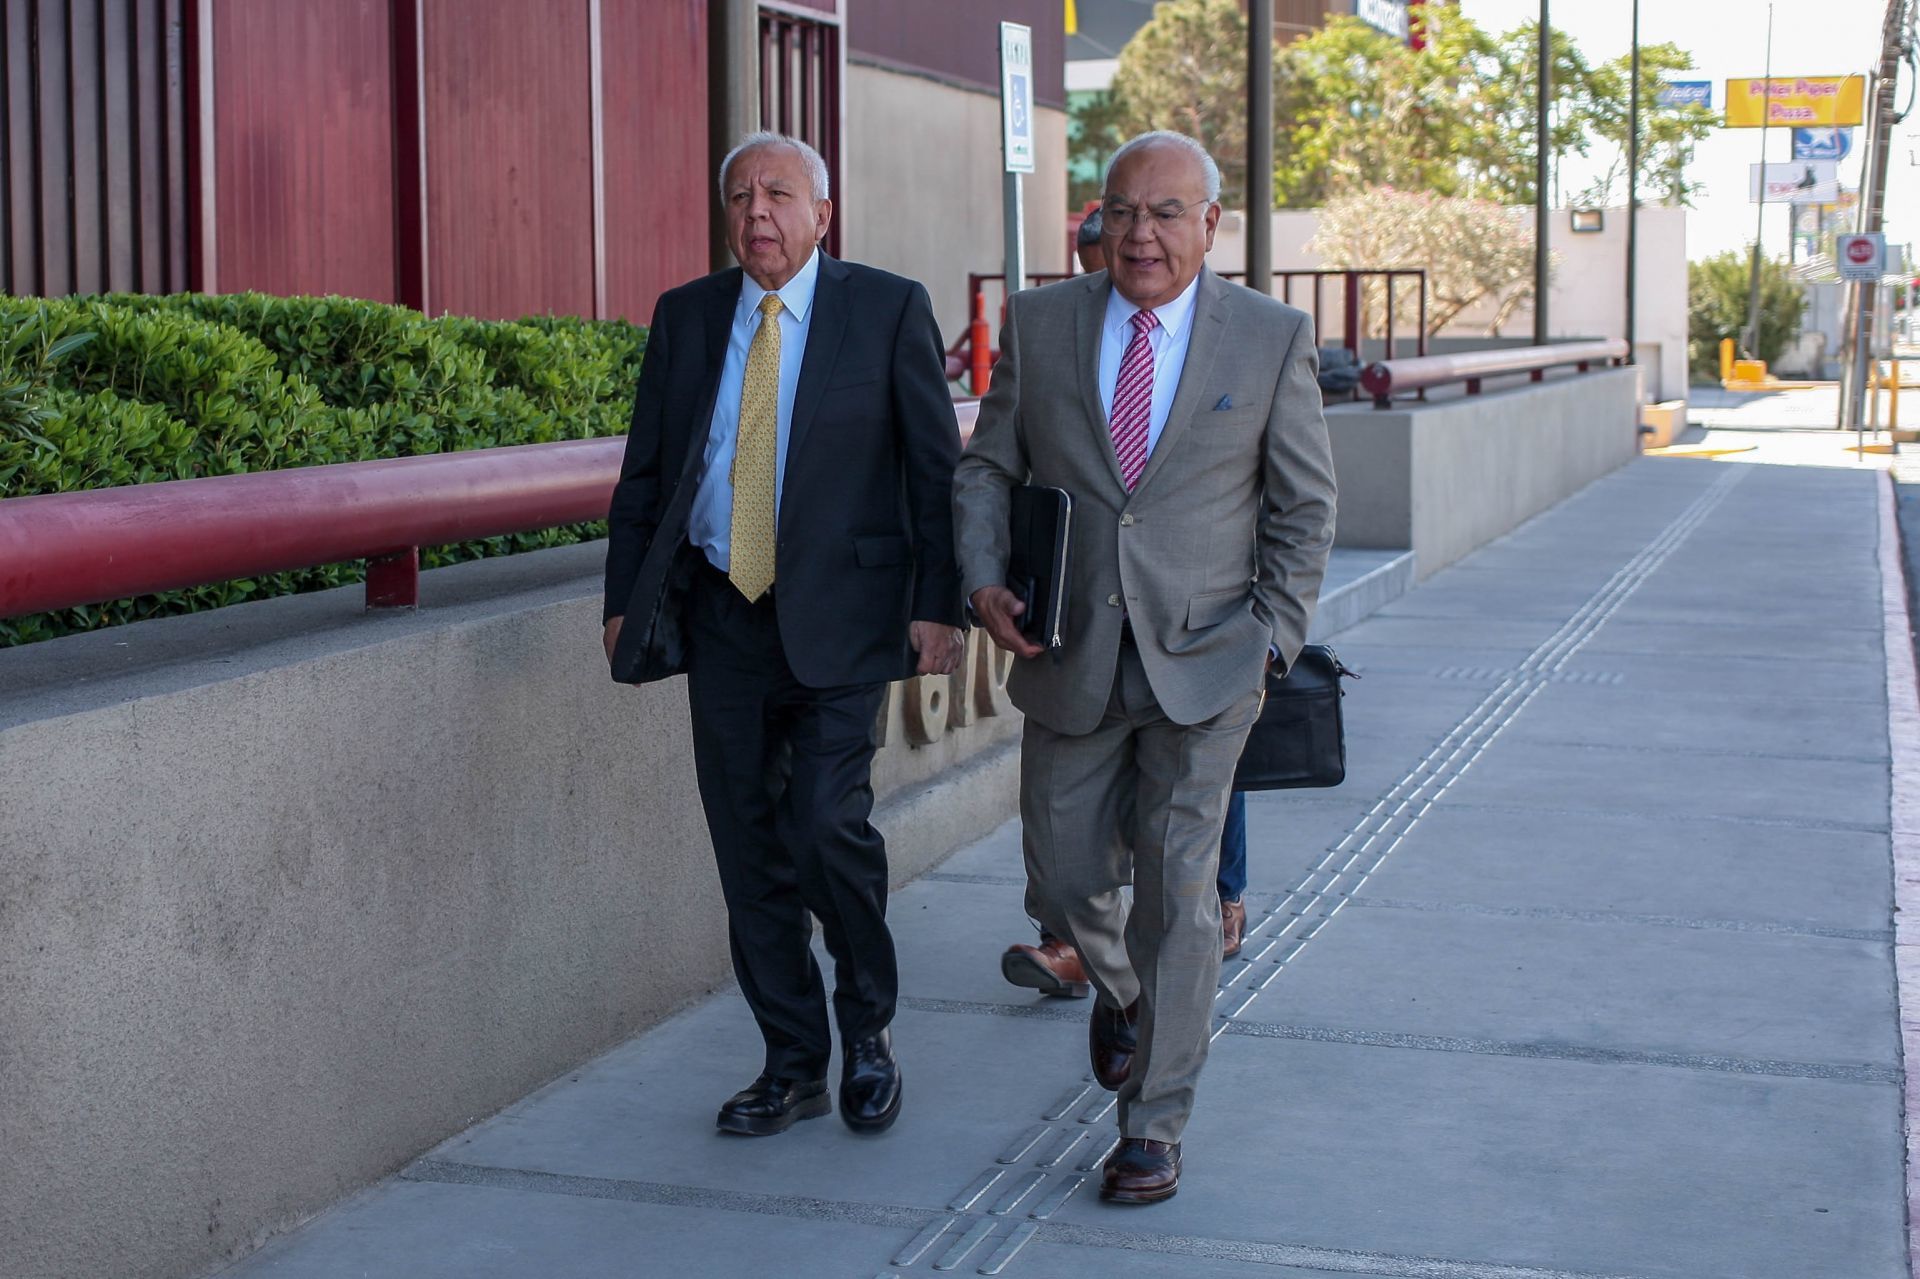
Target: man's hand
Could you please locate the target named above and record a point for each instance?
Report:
(611, 637)
(999, 610)
(938, 646)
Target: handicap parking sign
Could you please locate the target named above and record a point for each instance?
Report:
(1822, 143)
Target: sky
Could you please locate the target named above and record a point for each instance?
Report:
(1728, 38)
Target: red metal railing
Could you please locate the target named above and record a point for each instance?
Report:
(62, 550)
(967, 358)
(1385, 378)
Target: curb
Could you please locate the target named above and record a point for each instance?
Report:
(1903, 743)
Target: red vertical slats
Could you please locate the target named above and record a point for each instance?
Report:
(653, 66)
(509, 165)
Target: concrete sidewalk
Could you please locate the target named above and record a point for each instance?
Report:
(1586, 971)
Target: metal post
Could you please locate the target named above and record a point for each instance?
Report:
(1542, 135)
(1633, 179)
(1013, 220)
(1760, 217)
(733, 99)
(1260, 146)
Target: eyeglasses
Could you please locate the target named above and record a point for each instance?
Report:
(1117, 218)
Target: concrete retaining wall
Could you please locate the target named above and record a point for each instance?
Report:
(289, 893)
(1446, 477)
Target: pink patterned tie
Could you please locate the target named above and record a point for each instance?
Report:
(1133, 400)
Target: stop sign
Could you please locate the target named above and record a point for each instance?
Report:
(1860, 250)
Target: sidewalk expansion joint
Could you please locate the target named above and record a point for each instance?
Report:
(1837, 1072)
(1785, 928)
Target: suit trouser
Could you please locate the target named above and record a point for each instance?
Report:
(785, 776)
(1076, 793)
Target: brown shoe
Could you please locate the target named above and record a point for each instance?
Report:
(1052, 968)
(1111, 1043)
(1140, 1171)
(1233, 927)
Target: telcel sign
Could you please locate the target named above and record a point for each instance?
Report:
(1389, 16)
(1801, 103)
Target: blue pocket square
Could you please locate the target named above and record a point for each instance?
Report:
(1226, 402)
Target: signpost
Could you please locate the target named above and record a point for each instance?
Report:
(1822, 144)
(1016, 139)
(1795, 103)
(1795, 182)
(1863, 259)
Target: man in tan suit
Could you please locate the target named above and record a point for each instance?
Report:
(1182, 414)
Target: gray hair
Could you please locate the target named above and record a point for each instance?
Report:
(1167, 137)
(816, 167)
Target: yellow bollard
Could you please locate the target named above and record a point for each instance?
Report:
(1726, 358)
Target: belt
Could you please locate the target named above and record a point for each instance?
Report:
(718, 577)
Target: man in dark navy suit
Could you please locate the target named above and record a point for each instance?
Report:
(782, 533)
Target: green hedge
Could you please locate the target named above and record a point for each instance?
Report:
(127, 389)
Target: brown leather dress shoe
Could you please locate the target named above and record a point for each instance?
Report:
(1111, 1042)
(1052, 968)
(1233, 927)
(1140, 1171)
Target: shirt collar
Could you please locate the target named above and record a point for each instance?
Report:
(1173, 316)
(796, 295)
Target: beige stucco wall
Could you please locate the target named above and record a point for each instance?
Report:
(289, 893)
(921, 195)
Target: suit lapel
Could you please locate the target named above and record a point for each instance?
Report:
(1089, 316)
(825, 329)
(1209, 325)
(718, 326)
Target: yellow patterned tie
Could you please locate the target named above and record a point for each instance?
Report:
(755, 453)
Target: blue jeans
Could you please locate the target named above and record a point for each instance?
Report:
(1232, 881)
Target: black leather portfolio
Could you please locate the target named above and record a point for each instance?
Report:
(1298, 740)
(1042, 526)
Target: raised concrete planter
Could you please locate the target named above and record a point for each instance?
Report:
(1445, 477)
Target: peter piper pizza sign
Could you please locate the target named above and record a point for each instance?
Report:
(1801, 103)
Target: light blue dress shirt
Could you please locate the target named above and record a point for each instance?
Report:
(710, 525)
(1169, 343)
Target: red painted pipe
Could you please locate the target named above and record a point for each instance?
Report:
(60, 550)
(1384, 377)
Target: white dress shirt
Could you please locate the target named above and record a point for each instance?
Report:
(1169, 342)
(710, 524)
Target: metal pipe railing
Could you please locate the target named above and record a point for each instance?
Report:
(1385, 378)
(63, 550)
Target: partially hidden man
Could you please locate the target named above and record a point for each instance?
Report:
(782, 533)
(1182, 414)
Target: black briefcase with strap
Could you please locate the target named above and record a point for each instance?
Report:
(1298, 739)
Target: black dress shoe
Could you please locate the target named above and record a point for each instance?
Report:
(1140, 1171)
(870, 1084)
(769, 1105)
(1111, 1042)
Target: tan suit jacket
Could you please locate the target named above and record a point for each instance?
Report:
(1220, 548)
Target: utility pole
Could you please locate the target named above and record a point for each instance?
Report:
(1542, 156)
(733, 100)
(1260, 146)
(1633, 179)
(1873, 194)
(1760, 218)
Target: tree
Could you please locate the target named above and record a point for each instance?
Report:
(1093, 135)
(1717, 297)
(1667, 134)
(1500, 159)
(1473, 250)
(1186, 70)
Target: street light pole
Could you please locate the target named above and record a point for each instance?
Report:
(1542, 152)
(1760, 218)
(1260, 146)
(1633, 179)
